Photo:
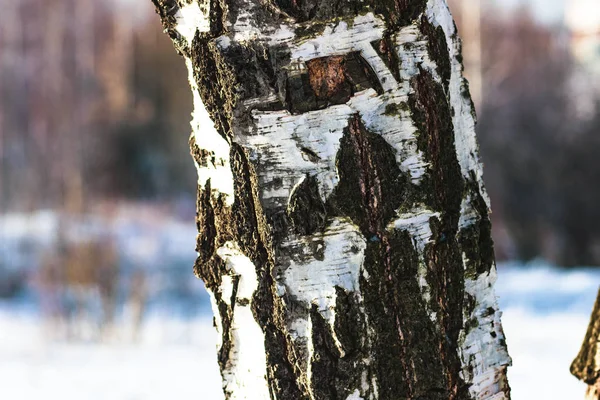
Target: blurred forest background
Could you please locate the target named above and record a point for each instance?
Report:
(94, 111)
(97, 188)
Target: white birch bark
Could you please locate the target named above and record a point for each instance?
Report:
(344, 229)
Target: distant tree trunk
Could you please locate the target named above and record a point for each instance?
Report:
(586, 366)
(344, 230)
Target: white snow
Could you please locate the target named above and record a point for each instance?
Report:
(175, 359)
(545, 316)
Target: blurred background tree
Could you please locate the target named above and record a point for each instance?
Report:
(95, 110)
(93, 105)
(538, 130)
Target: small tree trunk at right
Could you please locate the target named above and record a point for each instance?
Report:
(586, 366)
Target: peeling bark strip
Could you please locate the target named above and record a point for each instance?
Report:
(344, 229)
(586, 366)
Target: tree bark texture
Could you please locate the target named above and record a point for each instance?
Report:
(586, 366)
(344, 229)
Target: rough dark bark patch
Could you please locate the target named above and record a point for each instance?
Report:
(327, 78)
(476, 239)
(167, 10)
(438, 49)
(254, 67)
(254, 239)
(309, 10)
(403, 329)
(433, 117)
(443, 256)
(367, 167)
(306, 210)
(243, 223)
(446, 279)
(217, 83)
(397, 12)
(404, 332)
(325, 358)
(385, 50)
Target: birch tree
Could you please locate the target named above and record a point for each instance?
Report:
(343, 224)
(586, 366)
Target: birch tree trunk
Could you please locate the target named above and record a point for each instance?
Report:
(586, 366)
(344, 229)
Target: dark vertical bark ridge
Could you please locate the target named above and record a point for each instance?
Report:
(443, 257)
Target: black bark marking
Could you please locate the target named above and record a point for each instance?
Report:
(404, 364)
(432, 115)
(476, 239)
(315, 10)
(279, 223)
(386, 49)
(268, 309)
(366, 167)
(205, 217)
(334, 374)
(217, 83)
(433, 118)
(396, 12)
(257, 69)
(349, 323)
(244, 223)
(311, 155)
(437, 48)
(306, 209)
(325, 358)
(218, 17)
(300, 95)
(445, 277)
(399, 13)
(360, 74)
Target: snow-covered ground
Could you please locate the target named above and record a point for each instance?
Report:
(173, 360)
(546, 312)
